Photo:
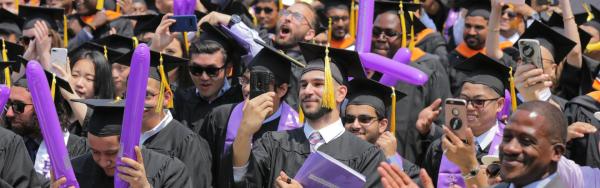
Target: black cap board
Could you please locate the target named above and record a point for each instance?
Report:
(60, 82)
(275, 62)
(117, 42)
(169, 62)
(363, 91)
(13, 51)
(558, 45)
(556, 22)
(210, 32)
(382, 6)
(481, 69)
(50, 15)
(344, 63)
(106, 118)
(111, 54)
(477, 7)
(11, 23)
(145, 23)
(340, 4)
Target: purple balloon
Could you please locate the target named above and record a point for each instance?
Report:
(365, 25)
(4, 94)
(450, 21)
(134, 108)
(402, 56)
(184, 7)
(388, 80)
(507, 105)
(49, 124)
(403, 72)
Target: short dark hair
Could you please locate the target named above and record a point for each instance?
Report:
(555, 120)
(208, 47)
(104, 88)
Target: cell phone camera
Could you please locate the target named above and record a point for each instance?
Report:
(527, 51)
(455, 123)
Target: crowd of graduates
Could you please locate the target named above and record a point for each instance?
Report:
(261, 85)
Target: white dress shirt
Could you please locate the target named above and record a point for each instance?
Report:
(161, 125)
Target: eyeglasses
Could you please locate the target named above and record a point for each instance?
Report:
(297, 16)
(510, 14)
(493, 170)
(267, 10)
(478, 103)
(362, 119)
(210, 71)
(25, 40)
(17, 106)
(388, 32)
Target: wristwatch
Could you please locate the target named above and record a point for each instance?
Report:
(234, 20)
(471, 174)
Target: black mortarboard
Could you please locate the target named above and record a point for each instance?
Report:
(117, 42)
(345, 63)
(558, 45)
(477, 8)
(372, 93)
(50, 15)
(10, 23)
(169, 62)
(556, 22)
(582, 9)
(106, 118)
(210, 32)
(145, 23)
(60, 82)
(110, 54)
(12, 50)
(382, 6)
(337, 3)
(275, 62)
(481, 69)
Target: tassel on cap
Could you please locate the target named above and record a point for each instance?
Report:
(393, 113)
(118, 8)
(590, 15)
(164, 87)
(100, 5)
(403, 24)
(135, 42)
(105, 52)
(280, 5)
(513, 93)
(592, 47)
(352, 29)
(412, 44)
(17, 5)
(300, 114)
(65, 32)
(7, 81)
(328, 93)
(53, 86)
(186, 43)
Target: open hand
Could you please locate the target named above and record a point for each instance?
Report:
(579, 129)
(427, 116)
(163, 36)
(134, 172)
(255, 112)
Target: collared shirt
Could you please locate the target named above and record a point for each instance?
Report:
(42, 158)
(512, 38)
(538, 184)
(486, 138)
(161, 125)
(225, 88)
(274, 115)
(328, 133)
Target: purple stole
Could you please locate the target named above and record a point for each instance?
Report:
(288, 120)
(449, 174)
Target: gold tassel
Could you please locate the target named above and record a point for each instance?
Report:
(17, 5)
(412, 44)
(592, 47)
(403, 24)
(300, 114)
(393, 113)
(416, 1)
(328, 93)
(118, 9)
(352, 29)
(7, 81)
(254, 20)
(280, 5)
(186, 43)
(135, 41)
(105, 52)
(65, 34)
(164, 87)
(53, 86)
(100, 5)
(513, 93)
(590, 15)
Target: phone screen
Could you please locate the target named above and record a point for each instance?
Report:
(259, 82)
(58, 56)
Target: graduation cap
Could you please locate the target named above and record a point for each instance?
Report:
(214, 33)
(11, 23)
(117, 42)
(110, 54)
(49, 15)
(106, 118)
(338, 4)
(345, 63)
(273, 61)
(145, 23)
(583, 11)
(372, 93)
(12, 50)
(53, 79)
(558, 45)
(484, 70)
(382, 6)
(477, 7)
(556, 22)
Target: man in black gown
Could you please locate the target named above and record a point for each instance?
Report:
(283, 153)
(16, 170)
(97, 168)
(220, 127)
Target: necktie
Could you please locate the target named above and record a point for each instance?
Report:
(314, 138)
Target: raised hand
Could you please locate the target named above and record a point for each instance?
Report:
(255, 112)
(387, 142)
(163, 36)
(427, 116)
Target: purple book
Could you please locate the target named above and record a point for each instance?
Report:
(322, 170)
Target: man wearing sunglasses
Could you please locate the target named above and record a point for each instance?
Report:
(267, 14)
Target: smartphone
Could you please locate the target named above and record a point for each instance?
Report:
(58, 56)
(456, 116)
(259, 82)
(530, 52)
(184, 23)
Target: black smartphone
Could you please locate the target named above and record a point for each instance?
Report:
(184, 23)
(259, 82)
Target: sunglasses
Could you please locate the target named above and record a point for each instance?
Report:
(25, 40)
(493, 170)
(267, 10)
(362, 119)
(210, 71)
(510, 14)
(388, 32)
(479, 103)
(17, 106)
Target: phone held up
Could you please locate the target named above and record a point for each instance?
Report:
(259, 82)
(456, 116)
(531, 52)
(184, 23)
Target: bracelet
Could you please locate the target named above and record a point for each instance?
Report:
(568, 18)
(471, 174)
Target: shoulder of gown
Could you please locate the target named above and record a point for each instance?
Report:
(15, 168)
(165, 171)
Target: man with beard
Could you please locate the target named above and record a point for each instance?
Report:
(267, 14)
(276, 156)
(339, 12)
(21, 118)
(418, 97)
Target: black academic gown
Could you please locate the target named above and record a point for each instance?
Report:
(176, 140)
(76, 146)
(191, 109)
(435, 44)
(433, 158)
(161, 171)
(584, 151)
(577, 81)
(214, 131)
(286, 151)
(16, 170)
(417, 98)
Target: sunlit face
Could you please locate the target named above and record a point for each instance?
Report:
(209, 86)
(549, 65)
(119, 75)
(83, 76)
(388, 38)
(139, 8)
(174, 49)
(151, 101)
(311, 93)
(268, 15)
(104, 152)
(340, 22)
(20, 119)
(508, 15)
(481, 117)
(370, 131)
(475, 32)
(294, 26)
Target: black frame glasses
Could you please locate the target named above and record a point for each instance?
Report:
(197, 70)
(377, 31)
(478, 103)
(17, 106)
(296, 15)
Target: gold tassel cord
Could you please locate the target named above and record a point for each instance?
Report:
(403, 24)
(100, 4)
(513, 93)
(328, 93)
(300, 114)
(411, 44)
(393, 113)
(186, 43)
(118, 9)
(592, 47)
(590, 15)
(65, 34)
(280, 5)
(53, 86)
(135, 41)
(105, 52)
(17, 5)
(164, 87)
(7, 81)
(352, 29)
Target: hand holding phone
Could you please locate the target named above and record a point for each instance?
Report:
(456, 116)
(184, 23)
(531, 52)
(259, 82)
(58, 56)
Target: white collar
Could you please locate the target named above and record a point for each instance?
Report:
(42, 159)
(513, 38)
(538, 184)
(329, 132)
(274, 115)
(486, 138)
(161, 125)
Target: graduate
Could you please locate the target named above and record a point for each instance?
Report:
(366, 116)
(276, 156)
(418, 97)
(11, 26)
(220, 127)
(120, 72)
(17, 171)
(162, 133)
(97, 167)
(484, 92)
(339, 12)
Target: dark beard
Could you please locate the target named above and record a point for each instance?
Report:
(32, 129)
(320, 113)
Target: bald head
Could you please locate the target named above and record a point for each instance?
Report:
(555, 122)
